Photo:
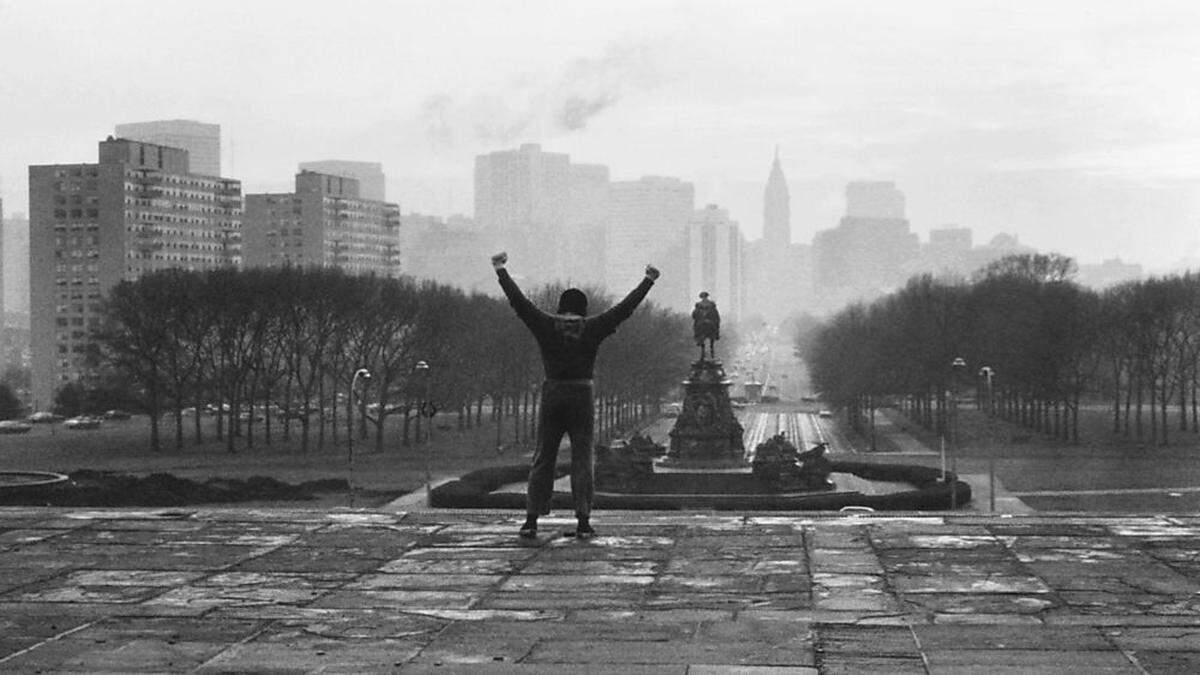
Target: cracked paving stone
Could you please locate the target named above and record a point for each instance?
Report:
(129, 578)
(399, 599)
(890, 641)
(633, 652)
(568, 630)
(590, 567)
(288, 580)
(891, 540)
(614, 542)
(708, 566)
(728, 601)
(223, 596)
(561, 600)
(1156, 638)
(180, 629)
(1066, 531)
(311, 654)
(574, 582)
(15, 578)
(1069, 638)
(126, 656)
(1023, 662)
(857, 664)
(968, 584)
(1169, 662)
(651, 616)
(986, 620)
(986, 603)
(1102, 602)
(57, 593)
(447, 582)
(675, 583)
(303, 559)
(452, 566)
(477, 650)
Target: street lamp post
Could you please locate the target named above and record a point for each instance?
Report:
(422, 370)
(366, 375)
(957, 367)
(987, 374)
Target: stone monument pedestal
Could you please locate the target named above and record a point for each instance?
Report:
(707, 434)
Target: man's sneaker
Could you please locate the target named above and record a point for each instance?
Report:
(528, 532)
(581, 532)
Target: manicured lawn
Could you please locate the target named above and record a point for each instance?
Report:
(123, 446)
(1027, 462)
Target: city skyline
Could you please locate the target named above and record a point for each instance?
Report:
(1071, 125)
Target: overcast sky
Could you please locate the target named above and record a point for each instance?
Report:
(1075, 125)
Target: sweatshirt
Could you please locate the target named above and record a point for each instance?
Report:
(569, 342)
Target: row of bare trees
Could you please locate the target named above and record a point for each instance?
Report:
(274, 352)
(1051, 345)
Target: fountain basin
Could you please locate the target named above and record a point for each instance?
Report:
(918, 488)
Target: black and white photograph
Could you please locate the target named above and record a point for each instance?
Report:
(679, 337)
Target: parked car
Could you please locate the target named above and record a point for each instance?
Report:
(15, 427)
(43, 417)
(825, 413)
(82, 422)
(116, 415)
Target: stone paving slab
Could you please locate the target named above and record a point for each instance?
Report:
(304, 591)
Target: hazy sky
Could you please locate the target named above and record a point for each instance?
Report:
(1075, 125)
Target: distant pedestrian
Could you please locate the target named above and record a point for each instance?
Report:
(568, 340)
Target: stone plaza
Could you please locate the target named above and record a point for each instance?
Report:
(306, 591)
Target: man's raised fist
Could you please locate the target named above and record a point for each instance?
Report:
(499, 260)
(652, 272)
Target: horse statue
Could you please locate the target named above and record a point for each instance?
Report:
(706, 325)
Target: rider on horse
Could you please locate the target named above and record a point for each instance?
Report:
(706, 324)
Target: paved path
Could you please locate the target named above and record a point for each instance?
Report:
(291, 591)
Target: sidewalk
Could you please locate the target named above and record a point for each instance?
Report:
(292, 591)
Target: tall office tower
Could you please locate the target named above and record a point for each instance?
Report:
(137, 210)
(3, 266)
(948, 251)
(715, 250)
(871, 251)
(778, 273)
(450, 251)
(202, 141)
(323, 223)
(777, 212)
(877, 200)
(371, 181)
(582, 261)
(16, 265)
(648, 223)
(521, 196)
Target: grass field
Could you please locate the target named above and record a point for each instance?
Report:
(1102, 472)
(124, 446)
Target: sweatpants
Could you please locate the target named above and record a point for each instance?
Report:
(567, 408)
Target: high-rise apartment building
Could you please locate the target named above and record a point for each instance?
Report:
(323, 223)
(201, 140)
(522, 198)
(139, 209)
(715, 257)
(648, 223)
(370, 177)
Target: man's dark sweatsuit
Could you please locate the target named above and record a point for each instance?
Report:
(568, 344)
